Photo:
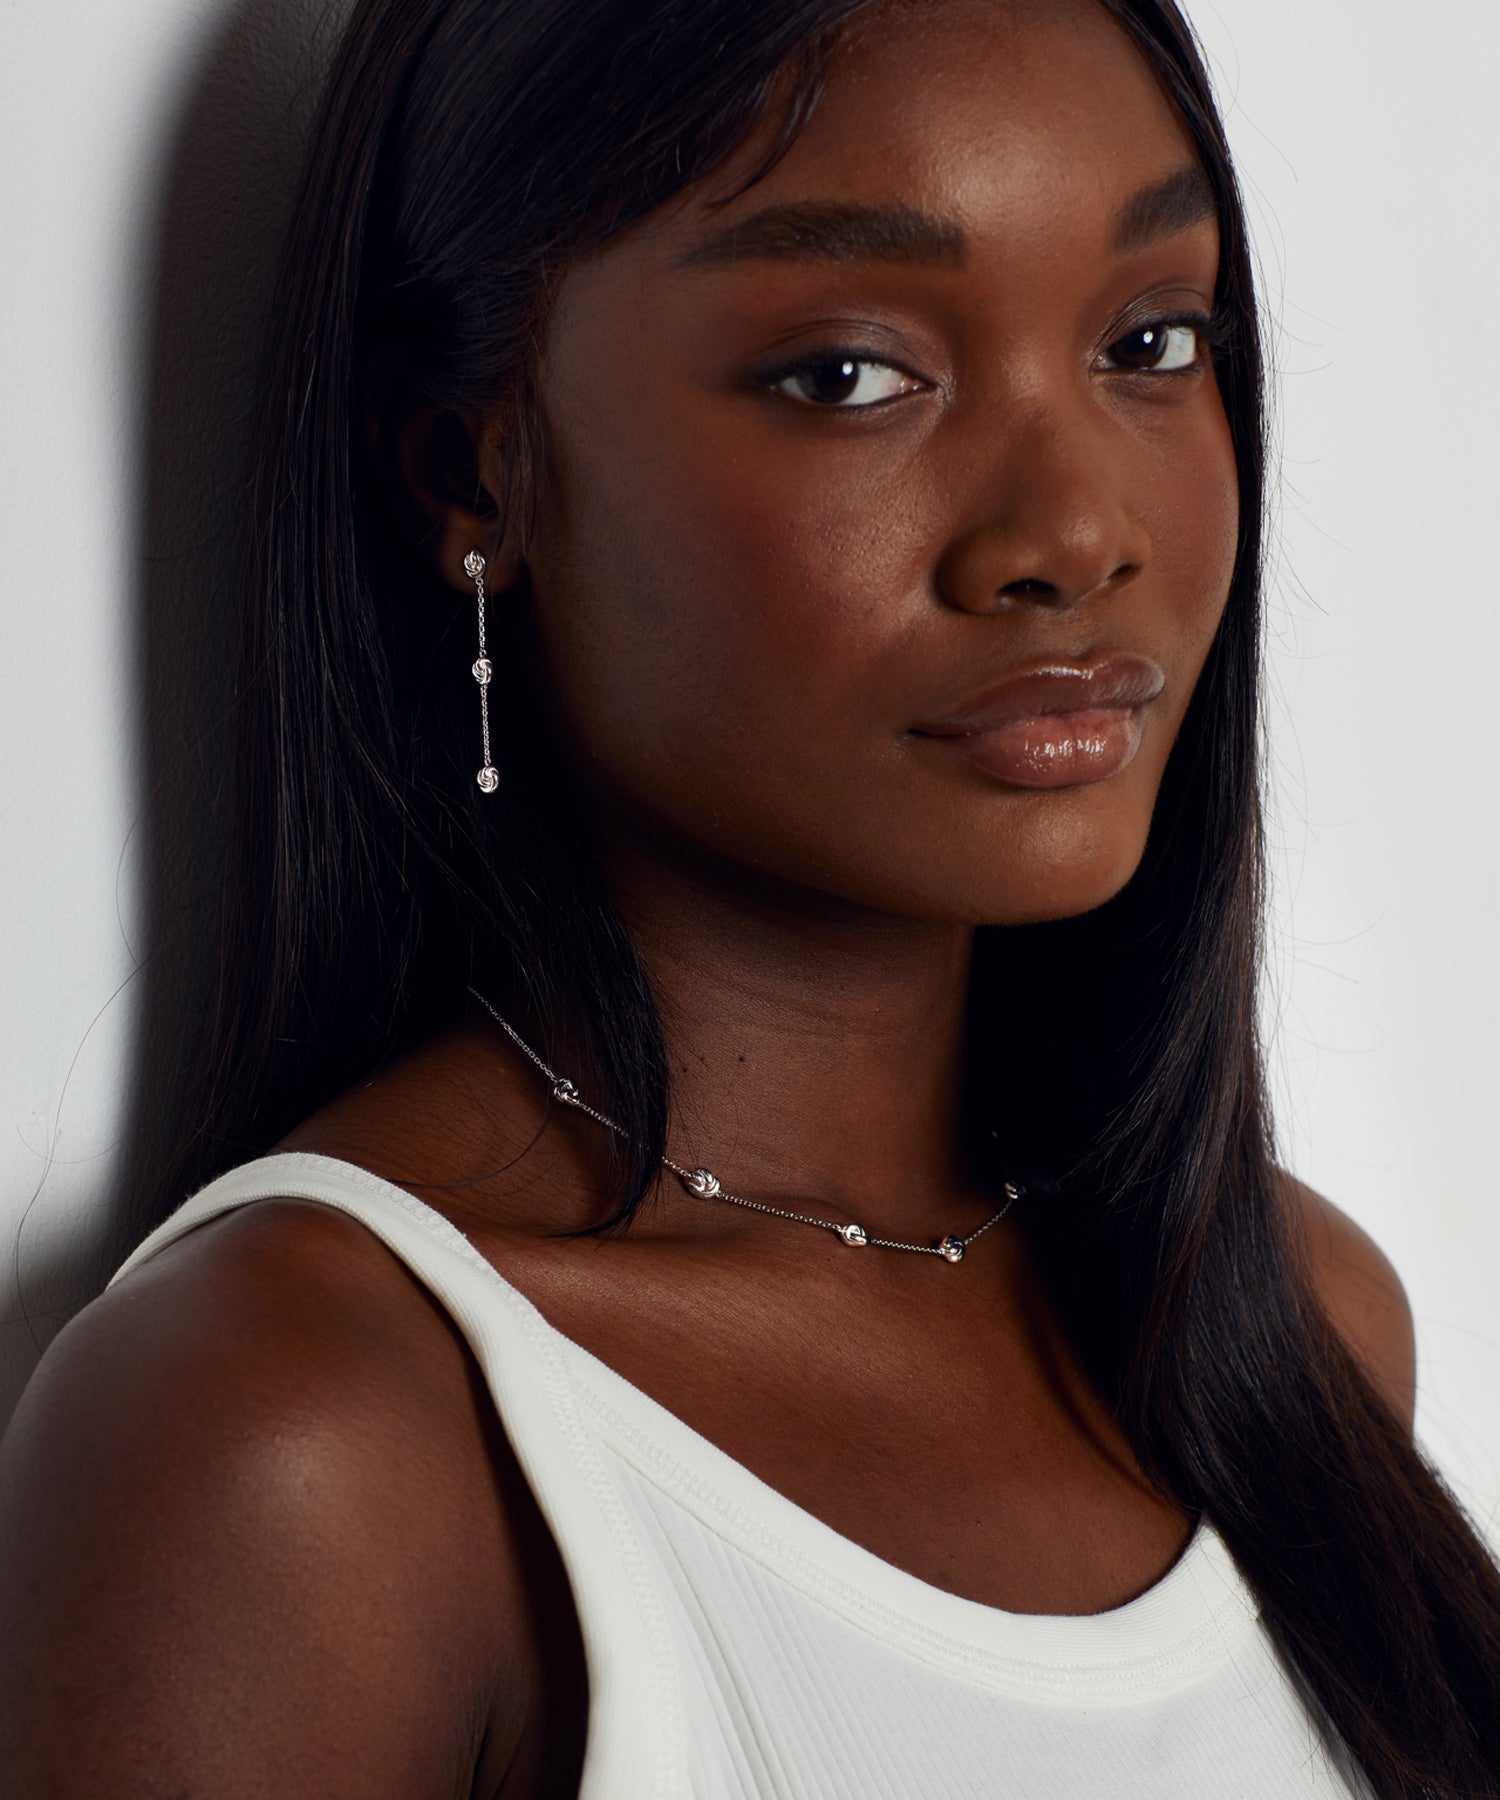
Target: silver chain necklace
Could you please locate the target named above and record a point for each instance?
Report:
(703, 1184)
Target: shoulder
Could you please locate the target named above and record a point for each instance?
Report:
(259, 1460)
(1360, 1291)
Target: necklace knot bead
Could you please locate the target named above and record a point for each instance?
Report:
(1012, 1190)
(563, 1089)
(483, 671)
(702, 1182)
(952, 1248)
(853, 1234)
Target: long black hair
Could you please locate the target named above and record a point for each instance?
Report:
(466, 152)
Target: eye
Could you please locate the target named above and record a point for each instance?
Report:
(1161, 347)
(841, 381)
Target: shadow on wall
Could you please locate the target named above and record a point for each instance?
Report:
(230, 165)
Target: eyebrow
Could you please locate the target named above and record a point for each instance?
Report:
(829, 231)
(1184, 199)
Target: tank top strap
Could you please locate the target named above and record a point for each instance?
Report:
(633, 1749)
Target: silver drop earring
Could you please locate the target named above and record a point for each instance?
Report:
(483, 672)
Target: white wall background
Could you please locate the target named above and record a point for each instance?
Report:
(149, 148)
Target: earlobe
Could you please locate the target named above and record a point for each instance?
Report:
(436, 463)
(462, 533)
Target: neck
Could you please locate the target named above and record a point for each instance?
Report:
(816, 1051)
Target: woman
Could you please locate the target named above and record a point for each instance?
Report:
(750, 723)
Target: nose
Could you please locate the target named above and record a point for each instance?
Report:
(1055, 528)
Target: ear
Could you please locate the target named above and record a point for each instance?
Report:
(441, 471)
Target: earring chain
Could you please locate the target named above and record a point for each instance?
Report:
(483, 672)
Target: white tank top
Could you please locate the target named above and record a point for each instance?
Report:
(740, 1649)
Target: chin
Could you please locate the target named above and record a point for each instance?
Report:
(1010, 888)
(1061, 877)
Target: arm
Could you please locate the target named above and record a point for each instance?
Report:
(1361, 1293)
(237, 1549)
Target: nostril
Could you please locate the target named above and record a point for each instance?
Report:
(1037, 590)
(1031, 588)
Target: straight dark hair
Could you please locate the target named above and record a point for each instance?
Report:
(466, 152)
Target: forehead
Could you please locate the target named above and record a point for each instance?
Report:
(996, 114)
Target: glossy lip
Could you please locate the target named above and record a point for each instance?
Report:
(1111, 682)
(1060, 726)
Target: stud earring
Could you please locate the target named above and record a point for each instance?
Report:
(483, 672)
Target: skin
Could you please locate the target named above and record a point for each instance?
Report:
(281, 1483)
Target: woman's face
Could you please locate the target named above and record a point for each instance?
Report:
(927, 422)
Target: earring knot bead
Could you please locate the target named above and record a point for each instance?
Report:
(488, 778)
(473, 565)
(483, 671)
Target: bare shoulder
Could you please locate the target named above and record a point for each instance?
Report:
(260, 1462)
(1362, 1293)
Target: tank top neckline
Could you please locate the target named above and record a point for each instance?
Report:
(1171, 1632)
(1180, 1623)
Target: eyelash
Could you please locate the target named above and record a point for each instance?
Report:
(1214, 333)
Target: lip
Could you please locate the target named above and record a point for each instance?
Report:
(1053, 726)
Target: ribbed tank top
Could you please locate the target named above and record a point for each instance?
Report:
(740, 1649)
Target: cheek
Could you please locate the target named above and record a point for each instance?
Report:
(709, 616)
(1192, 513)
